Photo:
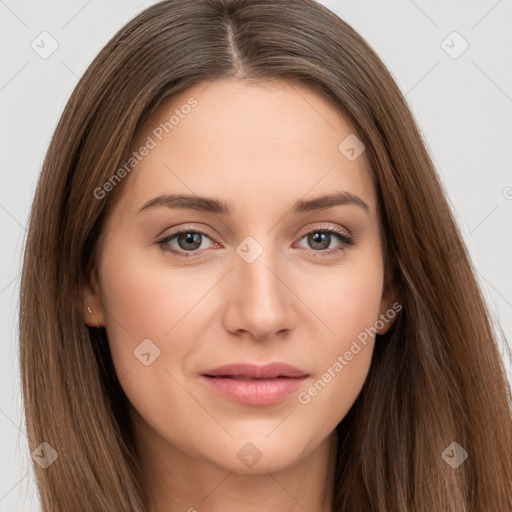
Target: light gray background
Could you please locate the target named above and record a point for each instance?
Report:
(463, 106)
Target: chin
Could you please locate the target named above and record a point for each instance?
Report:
(257, 455)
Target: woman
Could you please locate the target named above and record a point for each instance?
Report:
(246, 286)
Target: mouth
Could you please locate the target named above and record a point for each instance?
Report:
(244, 377)
(254, 371)
(251, 384)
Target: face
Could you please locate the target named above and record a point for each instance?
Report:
(258, 271)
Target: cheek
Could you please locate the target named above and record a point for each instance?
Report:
(147, 300)
(154, 308)
(348, 303)
(346, 298)
(153, 332)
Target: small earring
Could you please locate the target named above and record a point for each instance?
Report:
(89, 310)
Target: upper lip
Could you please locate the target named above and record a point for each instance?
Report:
(254, 371)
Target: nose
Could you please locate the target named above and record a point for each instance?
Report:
(261, 304)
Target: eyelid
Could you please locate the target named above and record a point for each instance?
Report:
(185, 227)
(326, 227)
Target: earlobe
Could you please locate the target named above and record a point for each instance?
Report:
(387, 318)
(92, 319)
(93, 306)
(383, 329)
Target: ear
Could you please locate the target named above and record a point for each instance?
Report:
(390, 303)
(93, 305)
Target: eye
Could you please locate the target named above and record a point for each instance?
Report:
(320, 239)
(188, 241)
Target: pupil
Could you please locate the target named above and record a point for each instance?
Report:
(190, 238)
(320, 238)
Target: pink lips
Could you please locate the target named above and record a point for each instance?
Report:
(255, 385)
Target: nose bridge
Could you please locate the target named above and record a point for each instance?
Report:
(262, 304)
(256, 268)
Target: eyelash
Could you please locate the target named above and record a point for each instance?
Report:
(346, 242)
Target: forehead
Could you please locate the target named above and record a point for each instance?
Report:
(244, 141)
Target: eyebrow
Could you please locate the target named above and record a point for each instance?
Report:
(210, 205)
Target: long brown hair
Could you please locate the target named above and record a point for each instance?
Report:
(436, 377)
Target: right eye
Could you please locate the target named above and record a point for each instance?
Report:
(188, 242)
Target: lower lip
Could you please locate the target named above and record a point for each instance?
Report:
(255, 392)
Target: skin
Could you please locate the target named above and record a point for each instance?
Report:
(259, 147)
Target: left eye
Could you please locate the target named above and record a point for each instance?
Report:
(321, 239)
